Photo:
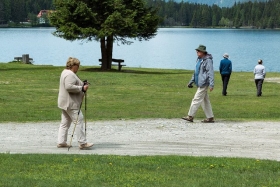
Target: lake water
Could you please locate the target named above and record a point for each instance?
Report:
(172, 48)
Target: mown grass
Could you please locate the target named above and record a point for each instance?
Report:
(29, 93)
(156, 171)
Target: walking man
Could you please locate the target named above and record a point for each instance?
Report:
(70, 97)
(259, 73)
(203, 77)
(225, 71)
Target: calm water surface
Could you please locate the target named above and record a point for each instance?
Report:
(172, 48)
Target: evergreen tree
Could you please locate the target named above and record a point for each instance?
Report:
(194, 21)
(18, 11)
(105, 21)
(2, 11)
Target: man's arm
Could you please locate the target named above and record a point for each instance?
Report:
(210, 73)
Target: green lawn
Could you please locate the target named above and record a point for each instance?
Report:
(154, 171)
(29, 94)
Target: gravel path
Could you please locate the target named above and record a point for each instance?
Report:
(260, 140)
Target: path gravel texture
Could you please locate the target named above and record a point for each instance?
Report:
(259, 140)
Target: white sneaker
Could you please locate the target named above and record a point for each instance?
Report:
(86, 145)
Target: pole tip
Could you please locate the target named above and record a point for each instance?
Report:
(69, 147)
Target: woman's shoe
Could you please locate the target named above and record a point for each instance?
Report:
(86, 145)
(188, 118)
(62, 145)
(208, 120)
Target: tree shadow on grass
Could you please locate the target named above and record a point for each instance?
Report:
(160, 71)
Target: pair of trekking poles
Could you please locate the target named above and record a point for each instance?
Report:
(75, 123)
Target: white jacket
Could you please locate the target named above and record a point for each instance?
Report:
(70, 93)
(259, 71)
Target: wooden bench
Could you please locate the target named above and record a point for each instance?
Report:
(18, 58)
(118, 63)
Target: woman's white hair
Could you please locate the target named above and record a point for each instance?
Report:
(72, 62)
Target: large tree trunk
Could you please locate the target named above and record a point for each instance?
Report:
(109, 51)
(106, 52)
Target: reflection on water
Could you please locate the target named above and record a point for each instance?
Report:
(172, 48)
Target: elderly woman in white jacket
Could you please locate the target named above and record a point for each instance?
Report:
(259, 73)
(70, 97)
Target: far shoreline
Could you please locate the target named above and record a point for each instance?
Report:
(124, 69)
(183, 27)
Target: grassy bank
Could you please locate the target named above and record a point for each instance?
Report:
(29, 93)
(156, 171)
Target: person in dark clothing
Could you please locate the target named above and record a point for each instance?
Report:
(225, 71)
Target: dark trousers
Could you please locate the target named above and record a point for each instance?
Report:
(225, 79)
(259, 83)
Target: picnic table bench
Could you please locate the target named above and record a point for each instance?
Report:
(20, 58)
(24, 58)
(118, 62)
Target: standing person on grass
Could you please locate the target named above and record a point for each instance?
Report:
(259, 73)
(225, 71)
(70, 97)
(203, 77)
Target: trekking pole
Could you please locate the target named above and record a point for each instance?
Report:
(85, 95)
(85, 114)
(75, 124)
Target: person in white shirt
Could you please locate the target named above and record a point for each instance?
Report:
(259, 73)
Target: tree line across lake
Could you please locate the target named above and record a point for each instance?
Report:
(14, 12)
(249, 14)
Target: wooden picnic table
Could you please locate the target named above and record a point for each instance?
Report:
(118, 62)
(24, 58)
